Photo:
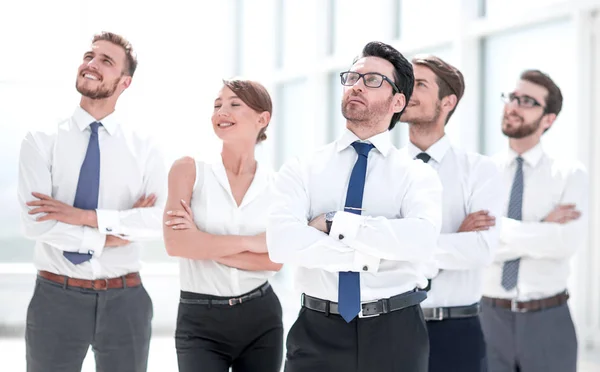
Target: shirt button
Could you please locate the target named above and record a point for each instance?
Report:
(341, 236)
(365, 268)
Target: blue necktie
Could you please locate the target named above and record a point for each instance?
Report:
(510, 270)
(86, 196)
(349, 282)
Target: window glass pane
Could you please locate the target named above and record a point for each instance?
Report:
(291, 118)
(256, 36)
(337, 122)
(506, 56)
(418, 17)
(298, 38)
(495, 8)
(357, 23)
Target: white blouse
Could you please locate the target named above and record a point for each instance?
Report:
(216, 212)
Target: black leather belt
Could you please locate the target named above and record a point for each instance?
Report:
(455, 312)
(528, 306)
(259, 292)
(368, 309)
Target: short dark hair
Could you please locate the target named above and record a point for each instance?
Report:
(130, 56)
(255, 95)
(404, 77)
(448, 78)
(554, 99)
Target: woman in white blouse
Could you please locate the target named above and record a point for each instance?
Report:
(215, 220)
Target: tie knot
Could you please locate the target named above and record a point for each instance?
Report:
(519, 161)
(94, 127)
(424, 156)
(362, 148)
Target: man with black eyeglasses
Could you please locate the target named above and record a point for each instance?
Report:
(359, 220)
(525, 316)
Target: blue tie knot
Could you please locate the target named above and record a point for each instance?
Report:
(94, 127)
(362, 148)
(519, 161)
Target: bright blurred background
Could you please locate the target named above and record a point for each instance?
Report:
(296, 48)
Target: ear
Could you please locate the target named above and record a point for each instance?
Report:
(126, 81)
(449, 102)
(548, 121)
(399, 102)
(263, 119)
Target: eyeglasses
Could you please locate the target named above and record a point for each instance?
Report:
(522, 101)
(371, 79)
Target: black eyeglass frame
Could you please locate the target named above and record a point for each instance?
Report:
(384, 78)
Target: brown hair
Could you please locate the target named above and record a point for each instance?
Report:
(130, 56)
(254, 95)
(448, 78)
(554, 99)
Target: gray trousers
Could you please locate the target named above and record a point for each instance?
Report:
(62, 323)
(539, 341)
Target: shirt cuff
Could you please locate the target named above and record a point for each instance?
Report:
(345, 225)
(109, 221)
(365, 263)
(93, 242)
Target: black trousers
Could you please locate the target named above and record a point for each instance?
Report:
(247, 337)
(456, 345)
(396, 342)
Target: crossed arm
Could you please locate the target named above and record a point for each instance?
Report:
(184, 239)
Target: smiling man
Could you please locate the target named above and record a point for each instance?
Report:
(469, 234)
(525, 316)
(359, 219)
(90, 192)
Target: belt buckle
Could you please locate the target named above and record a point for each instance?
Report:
(97, 288)
(514, 307)
(437, 313)
(235, 301)
(361, 315)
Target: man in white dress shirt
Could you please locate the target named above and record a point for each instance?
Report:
(359, 219)
(469, 237)
(525, 316)
(90, 193)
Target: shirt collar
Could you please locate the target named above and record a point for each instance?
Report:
(437, 151)
(83, 119)
(381, 141)
(532, 156)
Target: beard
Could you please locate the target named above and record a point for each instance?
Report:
(103, 91)
(365, 114)
(424, 120)
(524, 130)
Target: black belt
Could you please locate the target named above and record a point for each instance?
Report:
(259, 292)
(368, 309)
(455, 312)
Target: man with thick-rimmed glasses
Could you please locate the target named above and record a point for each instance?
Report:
(359, 219)
(525, 316)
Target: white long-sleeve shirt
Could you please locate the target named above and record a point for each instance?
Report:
(545, 248)
(130, 166)
(471, 183)
(387, 244)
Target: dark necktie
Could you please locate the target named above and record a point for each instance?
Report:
(86, 196)
(349, 282)
(510, 270)
(425, 157)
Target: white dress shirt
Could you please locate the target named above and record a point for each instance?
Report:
(130, 166)
(471, 183)
(387, 244)
(545, 248)
(216, 212)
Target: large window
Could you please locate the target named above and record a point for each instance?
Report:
(292, 121)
